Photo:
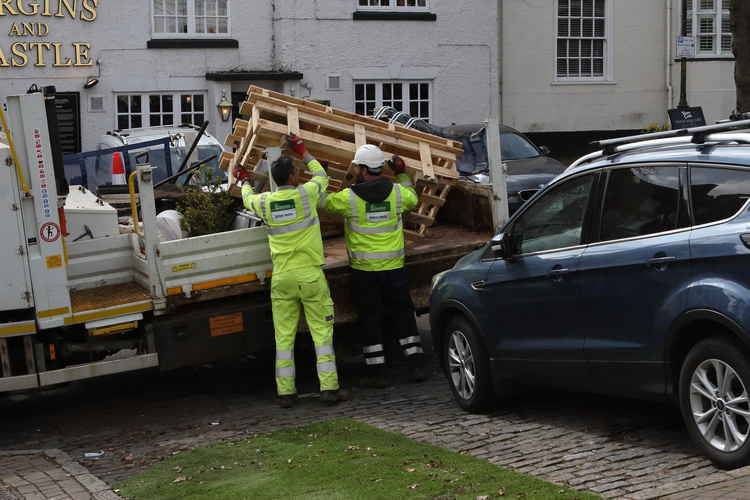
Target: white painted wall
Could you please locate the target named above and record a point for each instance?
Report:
(457, 52)
(315, 37)
(634, 96)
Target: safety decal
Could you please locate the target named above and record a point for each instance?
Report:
(50, 232)
(183, 267)
(226, 324)
(378, 212)
(283, 211)
(54, 262)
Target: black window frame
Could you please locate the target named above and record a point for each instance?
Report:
(598, 213)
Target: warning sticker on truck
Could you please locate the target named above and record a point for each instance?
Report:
(283, 211)
(183, 267)
(54, 261)
(226, 324)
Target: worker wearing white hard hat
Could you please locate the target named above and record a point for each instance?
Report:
(374, 208)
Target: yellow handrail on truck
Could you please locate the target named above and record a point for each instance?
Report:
(12, 146)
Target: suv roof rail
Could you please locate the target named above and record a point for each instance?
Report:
(697, 135)
(716, 137)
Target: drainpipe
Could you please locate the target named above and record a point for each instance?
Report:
(670, 89)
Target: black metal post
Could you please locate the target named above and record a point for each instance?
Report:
(683, 63)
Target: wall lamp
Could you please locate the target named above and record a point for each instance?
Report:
(93, 81)
(225, 107)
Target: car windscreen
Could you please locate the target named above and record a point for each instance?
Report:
(516, 147)
(216, 173)
(157, 159)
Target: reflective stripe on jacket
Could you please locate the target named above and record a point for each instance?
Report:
(374, 230)
(291, 215)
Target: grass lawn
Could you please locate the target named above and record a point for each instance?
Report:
(338, 459)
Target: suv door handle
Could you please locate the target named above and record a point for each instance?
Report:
(557, 272)
(661, 261)
(479, 285)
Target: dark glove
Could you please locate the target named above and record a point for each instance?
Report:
(324, 164)
(296, 144)
(397, 165)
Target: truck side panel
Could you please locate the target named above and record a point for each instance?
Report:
(214, 260)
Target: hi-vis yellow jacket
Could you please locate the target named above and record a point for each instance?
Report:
(291, 215)
(374, 230)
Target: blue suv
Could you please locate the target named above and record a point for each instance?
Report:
(628, 275)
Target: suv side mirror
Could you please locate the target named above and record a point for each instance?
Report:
(501, 246)
(545, 150)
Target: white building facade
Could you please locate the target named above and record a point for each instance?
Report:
(166, 62)
(604, 65)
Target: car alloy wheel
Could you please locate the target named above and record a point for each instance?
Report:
(719, 405)
(461, 366)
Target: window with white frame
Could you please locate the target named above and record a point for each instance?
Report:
(710, 22)
(400, 5)
(582, 38)
(157, 109)
(412, 97)
(190, 17)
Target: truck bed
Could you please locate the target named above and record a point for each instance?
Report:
(426, 256)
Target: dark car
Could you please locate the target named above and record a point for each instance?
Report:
(627, 276)
(529, 167)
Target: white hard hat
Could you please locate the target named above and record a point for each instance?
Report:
(370, 156)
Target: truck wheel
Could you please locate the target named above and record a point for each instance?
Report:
(714, 401)
(467, 366)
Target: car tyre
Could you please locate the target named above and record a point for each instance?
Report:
(467, 366)
(713, 395)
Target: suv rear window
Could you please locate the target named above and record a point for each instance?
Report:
(718, 193)
(641, 201)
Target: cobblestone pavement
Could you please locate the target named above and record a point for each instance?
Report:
(617, 448)
(48, 474)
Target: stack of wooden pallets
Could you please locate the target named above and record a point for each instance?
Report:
(333, 136)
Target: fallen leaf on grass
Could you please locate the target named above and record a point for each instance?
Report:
(177, 469)
(410, 469)
(180, 479)
(501, 492)
(413, 486)
(434, 464)
(483, 497)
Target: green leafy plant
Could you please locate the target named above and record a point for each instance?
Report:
(206, 208)
(656, 127)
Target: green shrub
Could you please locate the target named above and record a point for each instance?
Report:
(206, 210)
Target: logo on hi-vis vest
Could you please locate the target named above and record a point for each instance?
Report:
(283, 211)
(378, 212)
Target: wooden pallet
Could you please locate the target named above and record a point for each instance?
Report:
(334, 136)
(432, 197)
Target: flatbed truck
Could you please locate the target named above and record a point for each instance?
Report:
(73, 308)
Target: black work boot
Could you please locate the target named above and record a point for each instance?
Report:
(287, 401)
(331, 398)
(417, 374)
(375, 378)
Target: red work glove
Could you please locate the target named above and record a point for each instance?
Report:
(240, 174)
(397, 165)
(296, 144)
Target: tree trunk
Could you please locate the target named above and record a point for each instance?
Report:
(741, 30)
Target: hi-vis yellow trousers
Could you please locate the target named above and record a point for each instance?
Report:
(306, 287)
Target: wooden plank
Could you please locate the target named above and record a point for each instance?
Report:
(233, 141)
(346, 124)
(434, 200)
(360, 135)
(420, 219)
(249, 152)
(425, 152)
(255, 119)
(271, 132)
(292, 120)
(107, 296)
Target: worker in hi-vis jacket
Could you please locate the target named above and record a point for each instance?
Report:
(374, 209)
(291, 214)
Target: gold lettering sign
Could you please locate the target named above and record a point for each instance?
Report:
(43, 53)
